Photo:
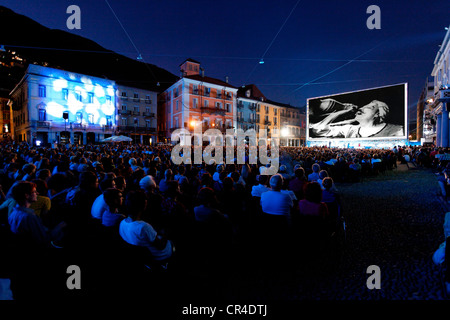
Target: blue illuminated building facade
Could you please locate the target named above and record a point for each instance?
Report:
(51, 105)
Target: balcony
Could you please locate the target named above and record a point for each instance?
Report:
(252, 107)
(219, 96)
(124, 97)
(228, 97)
(213, 110)
(136, 113)
(148, 114)
(137, 129)
(195, 91)
(207, 93)
(148, 101)
(125, 112)
(268, 123)
(43, 124)
(240, 106)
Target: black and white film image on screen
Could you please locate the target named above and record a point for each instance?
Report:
(367, 114)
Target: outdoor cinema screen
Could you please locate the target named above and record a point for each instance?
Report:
(376, 113)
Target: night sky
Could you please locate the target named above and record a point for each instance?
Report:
(309, 48)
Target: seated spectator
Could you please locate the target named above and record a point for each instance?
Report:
(164, 183)
(324, 174)
(42, 205)
(262, 187)
(140, 233)
(206, 210)
(314, 176)
(298, 182)
(275, 202)
(25, 223)
(152, 213)
(29, 171)
(114, 200)
(99, 207)
(312, 203)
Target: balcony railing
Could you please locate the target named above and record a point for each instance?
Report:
(124, 112)
(267, 122)
(213, 110)
(43, 124)
(148, 114)
(135, 113)
(137, 129)
(252, 107)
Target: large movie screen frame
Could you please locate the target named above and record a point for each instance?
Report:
(368, 114)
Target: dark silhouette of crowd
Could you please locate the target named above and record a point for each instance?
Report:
(115, 206)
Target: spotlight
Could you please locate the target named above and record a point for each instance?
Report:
(261, 61)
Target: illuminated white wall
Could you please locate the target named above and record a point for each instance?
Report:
(88, 100)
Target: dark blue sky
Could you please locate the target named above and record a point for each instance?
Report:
(300, 41)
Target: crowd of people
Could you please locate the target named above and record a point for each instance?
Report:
(133, 196)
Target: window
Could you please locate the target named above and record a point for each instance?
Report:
(90, 118)
(78, 96)
(108, 100)
(42, 91)
(267, 109)
(147, 123)
(65, 94)
(124, 94)
(79, 117)
(275, 111)
(136, 96)
(218, 105)
(136, 122)
(147, 99)
(124, 107)
(194, 103)
(207, 91)
(176, 106)
(136, 109)
(90, 97)
(195, 89)
(42, 114)
(108, 121)
(176, 123)
(147, 110)
(228, 107)
(205, 103)
(124, 121)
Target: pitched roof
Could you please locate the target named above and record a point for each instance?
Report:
(255, 93)
(210, 80)
(190, 60)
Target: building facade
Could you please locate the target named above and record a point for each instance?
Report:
(426, 124)
(440, 105)
(137, 114)
(51, 105)
(255, 111)
(196, 100)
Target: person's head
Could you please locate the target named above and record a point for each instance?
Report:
(206, 196)
(135, 203)
(323, 174)
(58, 182)
(41, 187)
(263, 179)
(113, 198)
(300, 173)
(24, 192)
(88, 180)
(29, 168)
(327, 183)
(316, 167)
(376, 112)
(147, 183)
(107, 183)
(121, 183)
(276, 182)
(173, 189)
(43, 174)
(313, 192)
(168, 174)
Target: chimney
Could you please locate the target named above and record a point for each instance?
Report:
(203, 72)
(226, 79)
